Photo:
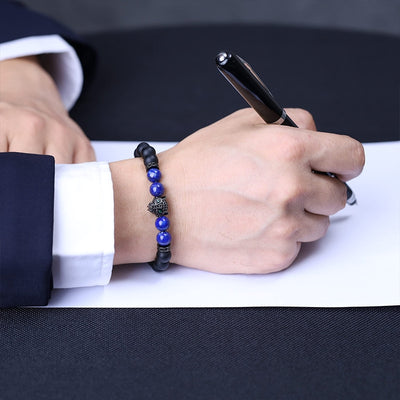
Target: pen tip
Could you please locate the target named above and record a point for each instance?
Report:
(351, 198)
(352, 201)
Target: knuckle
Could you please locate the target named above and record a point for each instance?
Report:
(293, 149)
(244, 111)
(243, 114)
(317, 229)
(59, 129)
(291, 193)
(88, 149)
(286, 229)
(305, 119)
(283, 258)
(34, 122)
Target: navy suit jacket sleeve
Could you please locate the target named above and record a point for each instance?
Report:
(27, 184)
(26, 228)
(17, 21)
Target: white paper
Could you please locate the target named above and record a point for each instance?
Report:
(356, 264)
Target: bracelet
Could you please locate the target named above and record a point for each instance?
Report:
(158, 206)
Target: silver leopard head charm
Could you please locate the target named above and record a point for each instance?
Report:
(158, 206)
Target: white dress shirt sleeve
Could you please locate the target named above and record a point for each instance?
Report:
(56, 56)
(83, 238)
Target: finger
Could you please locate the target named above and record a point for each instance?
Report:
(338, 154)
(26, 144)
(326, 195)
(24, 131)
(313, 227)
(302, 118)
(63, 154)
(84, 153)
(3, 143)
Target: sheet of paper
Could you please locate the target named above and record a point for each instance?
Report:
(356, 264)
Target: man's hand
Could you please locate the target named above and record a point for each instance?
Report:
(242, 194)
(32, 116)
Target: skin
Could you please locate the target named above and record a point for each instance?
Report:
(242, 195)
(33, 117)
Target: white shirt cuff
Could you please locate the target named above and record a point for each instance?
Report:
(83, 238)
(57, 57)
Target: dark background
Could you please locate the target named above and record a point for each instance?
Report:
(158, 57)
(88, 16)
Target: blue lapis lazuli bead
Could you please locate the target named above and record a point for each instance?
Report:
(163, 238)
(153, 174)
(162, 223)
(157, 189)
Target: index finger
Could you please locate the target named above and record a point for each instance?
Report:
(84, 153)
(339, 154)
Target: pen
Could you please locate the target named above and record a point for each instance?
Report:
(242, 77)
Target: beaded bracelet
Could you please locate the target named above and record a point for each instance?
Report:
(158, 206)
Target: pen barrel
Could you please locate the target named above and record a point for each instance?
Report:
(251, 88)
(289, 122)
(242, 77)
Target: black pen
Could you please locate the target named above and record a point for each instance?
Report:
(242, 77)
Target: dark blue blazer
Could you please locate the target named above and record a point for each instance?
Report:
(17, 21)
(26, 228)
(27, 186)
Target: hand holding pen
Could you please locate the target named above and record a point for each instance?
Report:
(241, 193)
(242, 77)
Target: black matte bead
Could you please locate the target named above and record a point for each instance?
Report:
(150, 158)
(159, 266)
(140, 148)
(151, 165)
(164, 257)
(148, 151)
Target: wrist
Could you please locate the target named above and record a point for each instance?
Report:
(24, 82)
(134, 225)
